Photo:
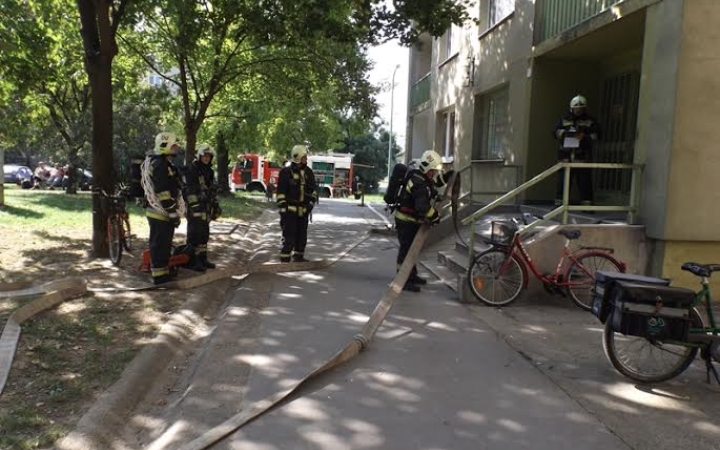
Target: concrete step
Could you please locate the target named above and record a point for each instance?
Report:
(455, 261)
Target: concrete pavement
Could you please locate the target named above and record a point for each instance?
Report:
(434, 377)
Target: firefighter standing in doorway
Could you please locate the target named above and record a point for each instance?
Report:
(200, 195)
(576, 132)
(164, 203)
(415, 207)
(296, 196)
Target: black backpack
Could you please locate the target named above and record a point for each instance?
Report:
(396, 184)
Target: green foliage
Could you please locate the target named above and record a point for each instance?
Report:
(371, 150)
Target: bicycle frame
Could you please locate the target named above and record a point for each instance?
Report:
(516, 247)
(705, 333)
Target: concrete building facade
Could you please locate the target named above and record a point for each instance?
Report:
(487, 95)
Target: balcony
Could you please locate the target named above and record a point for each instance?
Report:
(553, 17)
(420, 92)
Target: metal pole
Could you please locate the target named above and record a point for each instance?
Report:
(390, 136)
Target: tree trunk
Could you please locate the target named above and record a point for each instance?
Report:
(223, 161)
(2, 187)
(100, 48)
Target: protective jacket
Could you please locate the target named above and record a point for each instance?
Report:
(166, 184)
(200, 191)
(296, 190)
(416, 199)
(585, 124)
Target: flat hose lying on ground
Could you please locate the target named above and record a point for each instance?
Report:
(352, 349)
(56, 292)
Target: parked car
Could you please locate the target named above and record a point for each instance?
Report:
(84, 180)
(15, 173)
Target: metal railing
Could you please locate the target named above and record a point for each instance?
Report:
(565, 208)
(420, 92)
(553, 17)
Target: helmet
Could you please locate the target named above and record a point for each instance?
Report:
(298, 152)
(205, 149)
(578, 102)
(430, 160)
(164, 144)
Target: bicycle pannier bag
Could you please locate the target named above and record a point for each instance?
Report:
(653, 312)
(604, 282)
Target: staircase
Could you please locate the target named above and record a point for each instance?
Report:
(448, 258)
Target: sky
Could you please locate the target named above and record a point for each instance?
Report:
(386, 57)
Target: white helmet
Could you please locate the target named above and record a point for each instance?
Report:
(298, 152)
(578, 102)
(205, 149)
(430, 160)
(165, 144)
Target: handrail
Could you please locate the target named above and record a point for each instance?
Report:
(565, 207)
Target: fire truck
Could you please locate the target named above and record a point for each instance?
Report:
(254, 173)
(333, 174)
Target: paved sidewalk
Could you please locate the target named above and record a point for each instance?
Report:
(434, 377)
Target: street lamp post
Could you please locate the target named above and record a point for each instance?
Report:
(390, 136)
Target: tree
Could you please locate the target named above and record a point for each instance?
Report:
(371, 149)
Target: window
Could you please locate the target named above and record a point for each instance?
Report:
(448, 135)
(447, 48)
(499, 9)
(496, 125)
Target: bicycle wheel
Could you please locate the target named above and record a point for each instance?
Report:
(647, 360)
(115, 240)
(127, 241)
(581, 276)
(495, 278)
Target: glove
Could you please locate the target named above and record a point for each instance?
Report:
(174, 219)
(310, 207)
(434, 219)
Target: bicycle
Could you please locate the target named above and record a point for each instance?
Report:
(119, 236)
(656, 337)
(498, 275)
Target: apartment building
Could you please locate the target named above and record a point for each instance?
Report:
(487, 95)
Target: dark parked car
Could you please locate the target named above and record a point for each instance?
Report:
(84, 180)
(14, 173)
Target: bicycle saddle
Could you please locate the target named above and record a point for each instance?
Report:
(570, 234)
(701, 270)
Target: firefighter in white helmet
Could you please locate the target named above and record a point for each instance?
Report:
(164, 203)
(576, 132)
(200, 192)
(415, 207)
(296, 197)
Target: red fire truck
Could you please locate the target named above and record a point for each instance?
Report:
(333, 174)
(254, 173)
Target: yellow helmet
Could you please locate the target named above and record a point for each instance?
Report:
(430, 160)
(165, 144)
(297, 153)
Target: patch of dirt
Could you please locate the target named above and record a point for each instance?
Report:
(68, 356)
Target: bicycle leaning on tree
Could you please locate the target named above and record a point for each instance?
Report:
(118, 223)
(499, 274)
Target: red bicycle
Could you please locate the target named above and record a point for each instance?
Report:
(498, 275)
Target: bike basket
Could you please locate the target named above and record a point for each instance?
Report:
(502, 232)
(653, 312)
(604, 284)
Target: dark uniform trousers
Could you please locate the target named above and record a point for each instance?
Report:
(198, 230)
(161, 236)
(294, 233)
(406, 232)
(583, 177)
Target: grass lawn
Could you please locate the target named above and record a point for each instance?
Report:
(70, 354)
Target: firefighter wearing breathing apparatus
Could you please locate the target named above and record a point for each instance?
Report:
(415, 207)
(202, 205)
(296, 197)
(164, 203)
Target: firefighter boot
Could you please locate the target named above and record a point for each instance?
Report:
(162, 279)
(411, 287)
(205, 262)
(196, 264)
(415, 279)
(299, 257)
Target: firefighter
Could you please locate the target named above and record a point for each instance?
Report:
(203, 207)
(415, 207)
(164, 203)
(576, 131)
(296, 196)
